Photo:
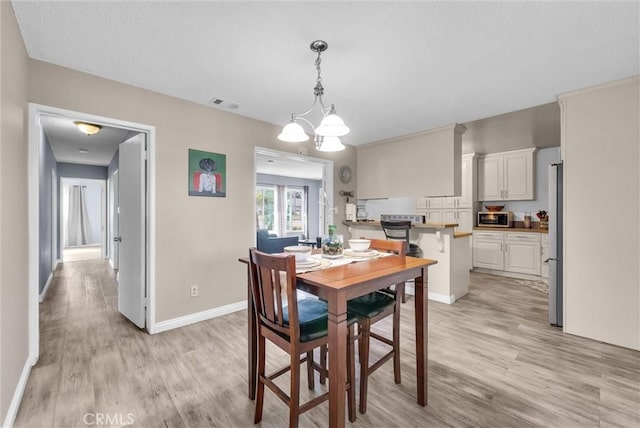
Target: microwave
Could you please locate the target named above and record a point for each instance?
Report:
(495, 219)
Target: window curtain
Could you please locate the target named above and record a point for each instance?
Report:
(281, 210)
(78, 228)
(306, 212)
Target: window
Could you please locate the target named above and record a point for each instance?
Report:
(282, 210)
(296, 210)
(265, 208)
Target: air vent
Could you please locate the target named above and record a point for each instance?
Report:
(219, 102)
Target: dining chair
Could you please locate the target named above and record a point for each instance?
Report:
(369, 309)
(295, 326)
(399, 230)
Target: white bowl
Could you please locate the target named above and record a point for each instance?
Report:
(359, 244)
(300, 251)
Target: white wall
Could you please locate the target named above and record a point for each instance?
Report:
(601, 153)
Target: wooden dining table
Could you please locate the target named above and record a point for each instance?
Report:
(337, 285)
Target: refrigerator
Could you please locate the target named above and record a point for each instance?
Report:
(555, 245)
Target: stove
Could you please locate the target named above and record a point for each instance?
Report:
(413, 218)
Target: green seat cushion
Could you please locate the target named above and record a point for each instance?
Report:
(312, 316)
(370, 305)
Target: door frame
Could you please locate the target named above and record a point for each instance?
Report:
(103, 212)
(36, 111)
(326, 215)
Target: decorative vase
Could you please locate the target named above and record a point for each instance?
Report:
(332, 244)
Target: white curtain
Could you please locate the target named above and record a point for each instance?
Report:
(78, 228)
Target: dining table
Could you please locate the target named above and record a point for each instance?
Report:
(337, 284)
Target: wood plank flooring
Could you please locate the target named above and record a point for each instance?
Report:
(493, 362)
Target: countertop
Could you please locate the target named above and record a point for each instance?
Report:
(511, 229)
(415, 226)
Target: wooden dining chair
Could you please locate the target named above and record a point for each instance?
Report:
(399, 230)
(295, 326)
(369, 309)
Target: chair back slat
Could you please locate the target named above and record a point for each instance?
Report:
(270, 275)
(395, 247)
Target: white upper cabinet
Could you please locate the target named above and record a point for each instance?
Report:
(507, 176)
(468, 185)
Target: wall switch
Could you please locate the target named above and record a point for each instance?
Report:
(194, 291)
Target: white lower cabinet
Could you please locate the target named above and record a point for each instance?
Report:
(517, 252)
(487, 250)
(522, 253)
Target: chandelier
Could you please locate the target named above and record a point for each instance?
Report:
(326, 135)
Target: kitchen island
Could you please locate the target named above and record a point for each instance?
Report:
(449, 279)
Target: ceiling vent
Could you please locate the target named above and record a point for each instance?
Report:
(219, 102)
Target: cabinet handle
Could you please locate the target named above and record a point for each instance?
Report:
(502, 194)
(506, 194)
(501, 247)
(506, 247)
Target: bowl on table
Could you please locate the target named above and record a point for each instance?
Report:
(494, 208)
(359, 244)
(300, 251)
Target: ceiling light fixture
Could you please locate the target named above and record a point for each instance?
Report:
(83, 151)
(331, 127)
(88, 128)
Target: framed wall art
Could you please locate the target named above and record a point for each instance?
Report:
(207, 174)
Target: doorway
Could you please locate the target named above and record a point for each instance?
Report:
(83, 225)
(36, 148)
(294, 178)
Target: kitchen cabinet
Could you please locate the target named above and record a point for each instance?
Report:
(517, 252)
(463, 217)
(522, 253)
(544, 255)
(488, 250)
(433, 216)
(468, 192)
(429, 203)
(454, 209)
(506, 176)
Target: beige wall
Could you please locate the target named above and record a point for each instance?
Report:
(423, 164)
(198, 239)
(14, 345)
(600, 148)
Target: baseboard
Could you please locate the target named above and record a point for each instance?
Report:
(441, 298)
(199, 316)
(509, 274)
(12, 412)
(43, 293)
(409, 289)
(111, 264)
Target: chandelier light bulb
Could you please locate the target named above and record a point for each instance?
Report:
(329, 144)
(293, 133)
(332, 126)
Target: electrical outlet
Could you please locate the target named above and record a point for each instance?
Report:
(194, 291)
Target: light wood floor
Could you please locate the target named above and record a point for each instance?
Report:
(88, 252)
(493, 362)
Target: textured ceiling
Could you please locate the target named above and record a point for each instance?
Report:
(66, 140)
(392, 68)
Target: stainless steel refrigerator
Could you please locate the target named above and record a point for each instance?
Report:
(555, 244)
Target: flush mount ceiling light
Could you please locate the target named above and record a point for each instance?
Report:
(83, 151)
(88, 128)
(331, 127)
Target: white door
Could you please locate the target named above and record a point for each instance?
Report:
(115, 230)
(132, 237)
